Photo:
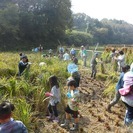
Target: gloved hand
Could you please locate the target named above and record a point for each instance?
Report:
(48, 94)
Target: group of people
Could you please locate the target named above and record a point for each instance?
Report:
(72, 95)
(123, 89)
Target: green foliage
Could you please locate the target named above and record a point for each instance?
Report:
(31, 22)
(104, 31)
(28, 94)
(78, 38)
(23, 111)
(102, 77)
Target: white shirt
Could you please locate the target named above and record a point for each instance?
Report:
(66, 56)
(121, 60)
(56, 95)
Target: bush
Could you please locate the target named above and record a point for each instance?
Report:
(78, 38)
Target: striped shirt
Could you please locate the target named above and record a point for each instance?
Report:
(13, 126)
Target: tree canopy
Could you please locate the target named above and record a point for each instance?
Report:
(33, 22)
(104, 31)
(25, 24)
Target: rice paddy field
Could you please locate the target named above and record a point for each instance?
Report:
(28, 93)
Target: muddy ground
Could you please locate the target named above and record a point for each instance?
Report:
(95, 118)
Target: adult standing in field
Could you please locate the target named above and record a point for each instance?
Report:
(120, 60)
(83, 54)
(66, 56)
(94, 62)
(50, 52)
(119, 85)
(112, 55)
(72, 52)
(61, 52)
(128, 98)
(40, 48)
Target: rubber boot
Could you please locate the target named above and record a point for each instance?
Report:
(56, 120)
(109, 108)
(50, 117)
(75, 127)
(65, 124)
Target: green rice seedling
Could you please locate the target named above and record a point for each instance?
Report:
(25, 88)
(110, 90)
(106, 57)
(102, 77)
(102, 68)
(22, 111)
(39, 100)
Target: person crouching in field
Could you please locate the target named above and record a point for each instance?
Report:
(54, 96)
(72, 107)
(7, 124)
(73, 70)
(118, 86)
(23, 64)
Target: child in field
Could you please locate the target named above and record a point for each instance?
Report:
(72, 107)
(7, 124)
(118, 86)
(54, 96)
(73, 70)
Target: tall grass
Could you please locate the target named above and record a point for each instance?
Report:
(27, 92)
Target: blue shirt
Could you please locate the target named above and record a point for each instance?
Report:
(72, 67)
(120, 82)
(13, 127)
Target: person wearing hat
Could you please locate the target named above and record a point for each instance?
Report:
(7, 124)
(119, 85)
(94, 62)
(83, 54)
(23, 64)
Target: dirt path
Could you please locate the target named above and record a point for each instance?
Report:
(93, 109)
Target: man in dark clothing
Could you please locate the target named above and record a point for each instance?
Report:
(93, 65)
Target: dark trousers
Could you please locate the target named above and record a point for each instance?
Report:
(77, 79)
(129, 114)
(53, 109)
(93, 71)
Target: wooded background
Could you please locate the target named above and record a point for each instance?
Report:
(25, 24)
